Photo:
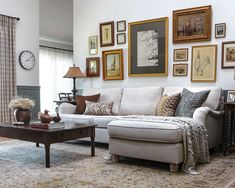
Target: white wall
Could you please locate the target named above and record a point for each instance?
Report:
(88, 14)
(27, 35)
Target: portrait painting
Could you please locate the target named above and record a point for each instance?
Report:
(204, 60)
(231, 96)
(107, 34)
(181, 54)
(93, 67)
(113, 64)
(220, 30)
(228, 54)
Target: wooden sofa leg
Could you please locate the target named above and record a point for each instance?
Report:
(115, 158)
(174, 167)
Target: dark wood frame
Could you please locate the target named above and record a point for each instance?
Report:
(192, 63)
(124, 38)
(223, 54)
(175, 50)
(183, 64)
(97, 74)
(193, 38)
(118, 22)
(112, 34)
(224, 26)
(131, 47)
(104, 58)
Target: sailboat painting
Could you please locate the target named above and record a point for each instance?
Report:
(147, 48)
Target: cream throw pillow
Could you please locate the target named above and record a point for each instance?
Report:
(100, 109)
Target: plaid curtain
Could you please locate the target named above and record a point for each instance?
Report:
(7, 66)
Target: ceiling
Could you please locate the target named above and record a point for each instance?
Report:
(56, 21)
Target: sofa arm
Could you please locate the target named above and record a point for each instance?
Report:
(200, 114)
(67, 108)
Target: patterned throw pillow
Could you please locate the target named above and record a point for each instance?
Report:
(189, 102)
(81, 104)
(167, 105)
(99, 109)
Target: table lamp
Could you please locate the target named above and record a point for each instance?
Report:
(74, 72)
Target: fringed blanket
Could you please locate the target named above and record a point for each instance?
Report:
(195, 139)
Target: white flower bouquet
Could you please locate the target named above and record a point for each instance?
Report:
(22, 103)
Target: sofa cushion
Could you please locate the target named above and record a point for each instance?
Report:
(145, 131)
(76, 118)
(167, 105)
(103, 121)
(212, 101)
(81, 104)
(189, 102)
(98, 108)
(140, 101)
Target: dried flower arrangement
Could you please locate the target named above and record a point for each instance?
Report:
(22, 103)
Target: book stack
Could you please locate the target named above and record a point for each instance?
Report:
(47, 126)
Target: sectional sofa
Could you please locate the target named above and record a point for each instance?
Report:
(146, 140)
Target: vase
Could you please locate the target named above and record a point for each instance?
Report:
(22, 116)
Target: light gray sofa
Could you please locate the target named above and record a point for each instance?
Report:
(146, 140)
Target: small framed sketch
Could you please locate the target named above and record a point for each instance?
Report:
(228, 55)
(113, 64)
(204, 60)
(93, 45)
(220, 30)
(107, 34)
(181, 54)
(121, 26)
(231, 96)
(121, 38)
(93, 67)
(180, 69)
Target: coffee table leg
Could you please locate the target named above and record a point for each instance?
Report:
(47, 152)
(93, 142)
(37, 144)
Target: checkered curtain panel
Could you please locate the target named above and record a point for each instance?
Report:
(7, 66)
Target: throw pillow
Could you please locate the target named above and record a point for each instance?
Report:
(167, 105)
(99, 109)
(81, 104)
(189, 102)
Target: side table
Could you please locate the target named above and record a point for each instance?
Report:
(228, 128)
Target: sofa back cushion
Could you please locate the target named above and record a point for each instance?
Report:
(108, 95)
(140, 101)
(212, 101)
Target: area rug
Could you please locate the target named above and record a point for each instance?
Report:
(22, 165)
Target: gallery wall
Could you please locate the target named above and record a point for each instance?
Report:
(88, 14)
(27, 35)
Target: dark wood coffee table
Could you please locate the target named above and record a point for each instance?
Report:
(48, 137)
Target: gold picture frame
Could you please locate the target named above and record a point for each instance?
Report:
(192, 24)
(107, 34)
(148, 59)
(203, 65)
(180, 54)
(113, 64)
(180, 69)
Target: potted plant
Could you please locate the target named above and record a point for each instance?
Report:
(22, 108)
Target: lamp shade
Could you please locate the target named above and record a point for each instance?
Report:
(74, 72)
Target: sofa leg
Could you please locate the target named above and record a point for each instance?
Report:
(115, 158)
(174, 167)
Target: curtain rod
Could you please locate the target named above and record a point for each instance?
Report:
(55, 48)
(18, 19)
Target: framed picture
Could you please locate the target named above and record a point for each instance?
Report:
(148, 48)
(191, 25)
(107, 34)
(204, 60)
(181, 54)
(93, 45)
(93, 67)
(228, 55)
(121, 26)
(180, 69)
(220, 30)
(231, 96)
(121, 38)
(113, 64)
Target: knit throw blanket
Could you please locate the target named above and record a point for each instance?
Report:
(195, 139)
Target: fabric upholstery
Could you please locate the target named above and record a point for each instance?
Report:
(167, 105)
(140, 101)
(99, 108)
(81, 104)
(67, 108)
(189, 102)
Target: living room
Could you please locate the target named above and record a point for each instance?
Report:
(133, 56)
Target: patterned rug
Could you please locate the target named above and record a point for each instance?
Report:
(22, 165)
